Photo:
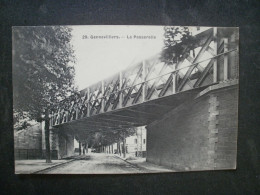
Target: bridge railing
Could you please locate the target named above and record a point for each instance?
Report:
(212, 58)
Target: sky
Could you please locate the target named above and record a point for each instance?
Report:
(100, 58)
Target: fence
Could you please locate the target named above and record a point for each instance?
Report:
(26, 154)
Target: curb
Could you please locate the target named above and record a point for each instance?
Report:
(143, 168)
(53, 167)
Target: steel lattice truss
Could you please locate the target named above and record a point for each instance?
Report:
(152, 79)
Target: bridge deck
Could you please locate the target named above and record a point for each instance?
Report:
(135, 115)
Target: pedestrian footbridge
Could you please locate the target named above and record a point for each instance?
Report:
(146, 91)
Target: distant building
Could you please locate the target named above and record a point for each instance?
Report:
(136, 144)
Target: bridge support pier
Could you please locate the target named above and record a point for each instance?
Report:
(61, 142)
(199, 135)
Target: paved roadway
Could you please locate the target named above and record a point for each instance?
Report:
(96, 164)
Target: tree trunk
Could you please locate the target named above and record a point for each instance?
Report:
(124, 146)
(137, 146)
(47, 137)
(141, 143)
(118, 148)
(118, 144)
(79, 148)
(87, 147)
(84, 148)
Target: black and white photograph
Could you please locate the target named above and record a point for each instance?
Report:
(124, 99)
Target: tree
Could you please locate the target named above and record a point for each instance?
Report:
(174, 35)
(107, 137)
(43, 71)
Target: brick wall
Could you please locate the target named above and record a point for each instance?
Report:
(227, 125)
(199, 135)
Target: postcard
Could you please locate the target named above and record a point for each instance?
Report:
(96, 99)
